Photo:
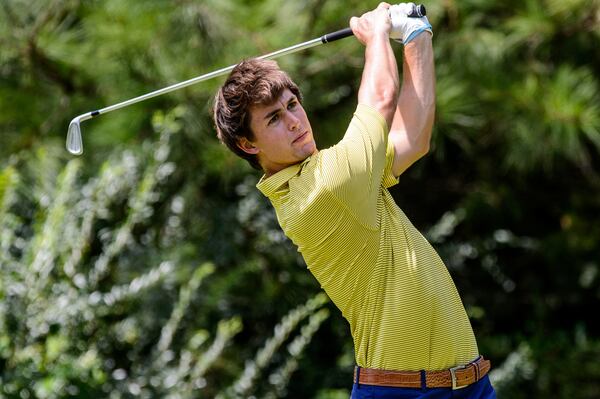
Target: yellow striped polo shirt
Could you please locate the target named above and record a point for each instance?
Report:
(390, 284)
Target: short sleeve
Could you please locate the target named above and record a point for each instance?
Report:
(389, 179)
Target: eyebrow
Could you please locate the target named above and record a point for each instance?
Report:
(275, 111)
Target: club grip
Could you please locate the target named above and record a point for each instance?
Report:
(337, 35)
(418, 11)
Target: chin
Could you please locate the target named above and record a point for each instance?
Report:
(307, 154)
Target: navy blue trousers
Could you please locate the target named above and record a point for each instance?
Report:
(482, 389)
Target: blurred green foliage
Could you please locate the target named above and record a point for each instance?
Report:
(151, 266)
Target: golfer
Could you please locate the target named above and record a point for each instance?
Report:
(412, 336)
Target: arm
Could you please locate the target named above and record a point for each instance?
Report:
(352, 169)
(411, 127)
(379, 84)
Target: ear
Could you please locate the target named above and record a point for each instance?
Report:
(246, 145)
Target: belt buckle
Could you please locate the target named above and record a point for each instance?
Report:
(453, 376)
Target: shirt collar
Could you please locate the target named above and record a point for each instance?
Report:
(269, 185)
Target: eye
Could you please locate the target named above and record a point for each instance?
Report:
(273, 119)
(292, 104)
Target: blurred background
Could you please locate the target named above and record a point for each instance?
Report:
(151, 266)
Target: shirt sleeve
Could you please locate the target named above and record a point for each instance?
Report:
(389, 179)
(353, 170)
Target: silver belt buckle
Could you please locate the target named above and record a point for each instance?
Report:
(453, 376)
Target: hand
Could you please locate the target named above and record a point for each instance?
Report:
(375, 23)
(405, 28)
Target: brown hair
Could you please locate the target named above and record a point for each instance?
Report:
(252, 82)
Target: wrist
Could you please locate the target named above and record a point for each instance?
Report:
(379, 36)
(422, 38)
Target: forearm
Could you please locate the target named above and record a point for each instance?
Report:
(414, 115)
(380, 81)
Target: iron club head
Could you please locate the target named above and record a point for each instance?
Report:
(74, 141)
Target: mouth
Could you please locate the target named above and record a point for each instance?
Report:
(300, 138)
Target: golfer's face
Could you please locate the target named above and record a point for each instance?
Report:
(282, 133)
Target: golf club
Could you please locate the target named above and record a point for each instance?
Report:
(74, 139)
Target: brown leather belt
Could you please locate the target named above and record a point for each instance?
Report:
(454, 377)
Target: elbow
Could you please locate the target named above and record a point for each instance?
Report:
(424, 144)
(424, 150)
(419, 150)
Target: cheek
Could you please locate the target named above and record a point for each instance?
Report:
(276, 142)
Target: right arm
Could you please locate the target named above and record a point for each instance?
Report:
(353, 168)
(380, 83)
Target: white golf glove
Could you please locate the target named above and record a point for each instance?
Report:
(405, 28)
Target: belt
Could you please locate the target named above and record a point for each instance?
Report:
(454, 377)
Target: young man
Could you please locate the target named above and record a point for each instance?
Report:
(411, 333)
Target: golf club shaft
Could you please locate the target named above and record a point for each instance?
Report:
(330, 37)
(223, 71)
(211, 75)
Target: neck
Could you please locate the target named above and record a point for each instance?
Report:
(271, 169)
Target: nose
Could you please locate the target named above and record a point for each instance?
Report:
(292, 121)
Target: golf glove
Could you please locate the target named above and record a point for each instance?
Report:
(405, 28)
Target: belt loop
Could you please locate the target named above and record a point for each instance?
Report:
(357, 377)
(423, 381)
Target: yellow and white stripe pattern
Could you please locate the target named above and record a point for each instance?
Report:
(390, 284)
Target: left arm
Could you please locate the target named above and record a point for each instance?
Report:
(411, 127)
